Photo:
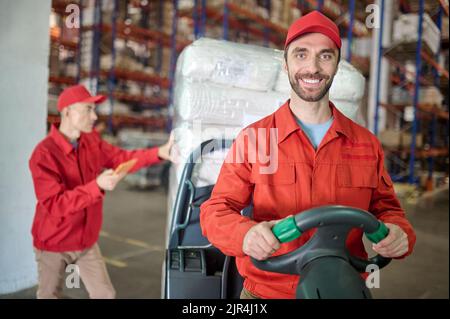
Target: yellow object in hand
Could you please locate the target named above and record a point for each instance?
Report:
(125, 167)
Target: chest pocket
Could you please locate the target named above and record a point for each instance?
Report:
(275, 195)
(357, 176)
(355, 184)
(283, 175)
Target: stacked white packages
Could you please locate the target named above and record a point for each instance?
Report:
(230, 64)
(221, 87)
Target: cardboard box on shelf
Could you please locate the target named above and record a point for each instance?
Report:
(399, 95)
(389, 138)
(406, 139)
(395, 138)
(406, 26)
(430, 95)
(54, 63)
(444, 28)
(52, 102)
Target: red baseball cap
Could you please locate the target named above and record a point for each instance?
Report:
(313, 22)
(76, 94)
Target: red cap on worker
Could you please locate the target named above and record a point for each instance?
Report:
(313, 22)
(76, 94)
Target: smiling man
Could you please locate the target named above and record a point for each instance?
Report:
(70, 186)
(323, 159)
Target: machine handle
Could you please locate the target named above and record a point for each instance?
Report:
(189, 207)
(378, 235)
(286, 230)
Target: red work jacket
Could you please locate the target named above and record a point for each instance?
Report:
(69, 202)
(346, 169)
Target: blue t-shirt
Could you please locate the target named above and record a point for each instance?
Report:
(315, 132)
(74, 144)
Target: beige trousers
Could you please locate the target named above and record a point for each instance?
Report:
(245, 294)
(89, 265)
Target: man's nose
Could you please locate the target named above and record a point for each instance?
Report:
(94, 116)
(312, 66)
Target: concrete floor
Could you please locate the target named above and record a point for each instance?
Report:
(132, 242)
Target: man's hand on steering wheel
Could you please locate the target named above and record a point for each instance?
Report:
(394, 245)
(259, 242)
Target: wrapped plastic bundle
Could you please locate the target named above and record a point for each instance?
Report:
(347, 90)
(282, 83)
(230, 64)
(212, 103)
(188, 136)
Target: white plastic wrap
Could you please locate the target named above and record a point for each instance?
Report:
(189, 136)
(347, 90)
(348, 84)
(282, 83)
(230, 64)
(215, 104)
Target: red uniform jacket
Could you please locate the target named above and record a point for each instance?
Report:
(69, 202)
(346, 169)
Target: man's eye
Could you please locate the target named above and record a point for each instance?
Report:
(326, 56)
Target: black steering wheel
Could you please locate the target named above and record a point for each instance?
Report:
(326, 267)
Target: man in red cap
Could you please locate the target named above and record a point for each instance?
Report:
(322, 158)
(66, 168)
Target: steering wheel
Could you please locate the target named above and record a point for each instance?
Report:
(326, 267)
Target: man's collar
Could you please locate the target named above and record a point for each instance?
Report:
(60, 140)
(286, 123)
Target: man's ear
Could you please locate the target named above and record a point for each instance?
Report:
(65, 112)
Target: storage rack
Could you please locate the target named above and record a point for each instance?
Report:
(128, 32)
(404, 161)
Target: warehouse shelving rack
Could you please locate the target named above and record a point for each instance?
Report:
(232, 18)
(118, 29)
(403, 161)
